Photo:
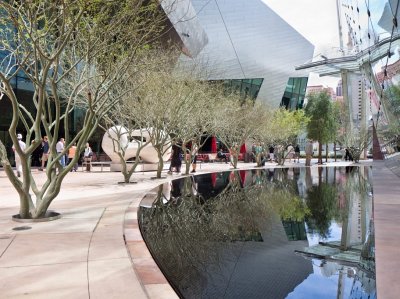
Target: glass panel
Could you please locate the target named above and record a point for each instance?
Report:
(293, 97)
(246, 87)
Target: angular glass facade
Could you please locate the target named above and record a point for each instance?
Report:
(246, 87)
(240, 47)
(295, 91)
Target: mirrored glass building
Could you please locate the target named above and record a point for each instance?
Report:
(246, 45)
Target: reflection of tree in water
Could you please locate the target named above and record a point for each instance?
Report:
(188, 234)
(321, 200)
(349, 204)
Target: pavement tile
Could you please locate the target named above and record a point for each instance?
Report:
(45, 282)
(81, 213)
(62, 225)
(131, 213)
(387, 234)
(5, 241)
(131, 224)
(138, 249)
(148, 271)
(161, 291)
(43, 249)
(114, 217)
(114, 279)
(132, 234)
(106, 248)
(109, 231)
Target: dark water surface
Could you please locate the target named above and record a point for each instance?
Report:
(271, 233)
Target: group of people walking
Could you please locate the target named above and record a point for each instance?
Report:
(275, 153)
(41, 154)
(176, 158)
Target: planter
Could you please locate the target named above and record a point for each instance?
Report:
(49, 216)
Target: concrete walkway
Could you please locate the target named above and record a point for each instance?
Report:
(387, 230)
(96, 251)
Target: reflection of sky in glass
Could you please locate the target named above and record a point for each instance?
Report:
(366, 32)
(303, 276)
(335, 232)
(361, 26)
(312, 285)
(348, 286)
(311, 288)
(367, 25)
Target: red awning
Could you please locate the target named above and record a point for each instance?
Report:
(214, 179)
(243, 174)
(213, 144)
(243, 149)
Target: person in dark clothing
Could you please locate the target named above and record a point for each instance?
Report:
(271, 154)
(45, 152)
(347, 156)
(37, 155)
(297, 153)
(222, 156)
(176, 161)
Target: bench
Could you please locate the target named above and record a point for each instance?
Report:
(213, 157)
(96, 163)
(203, 158)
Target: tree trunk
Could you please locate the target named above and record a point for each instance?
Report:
(25, 199)
(160, 163)
(258, 159)
(235, 160)
(319, 152)
(326, 153)
(124, 169)
(187, 158)
(334, 150)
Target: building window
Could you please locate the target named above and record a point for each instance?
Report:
(293, 97)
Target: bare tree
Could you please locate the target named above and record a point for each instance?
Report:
(160, 106)
(72, 53)
(197, 122)
(356, 141)
(239, 120)
(123, 124)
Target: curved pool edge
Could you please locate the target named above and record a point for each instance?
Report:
(149, 274)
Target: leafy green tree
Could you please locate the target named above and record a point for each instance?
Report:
(320, 113)
(283, 129)
(322, 203)
(392, 132)
(393, 93)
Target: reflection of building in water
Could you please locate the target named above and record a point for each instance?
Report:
(228, 246)
(238, 265)
(355, 226)
(254, 269)
(349, 282)
(356, 245)
(295, 230)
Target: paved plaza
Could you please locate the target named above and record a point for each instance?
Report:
(96, 251)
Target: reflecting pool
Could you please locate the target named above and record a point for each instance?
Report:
(270, 233)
